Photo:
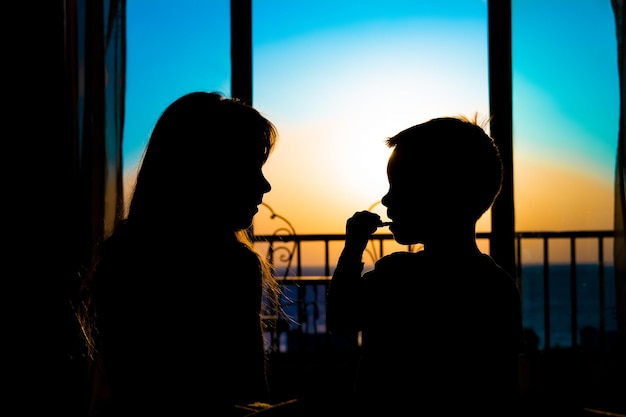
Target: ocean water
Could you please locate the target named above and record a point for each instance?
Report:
(595, 326)
(592, 318)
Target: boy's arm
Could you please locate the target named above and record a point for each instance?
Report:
(346, 292)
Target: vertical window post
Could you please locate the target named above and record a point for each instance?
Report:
(502, 245)
(241, 49)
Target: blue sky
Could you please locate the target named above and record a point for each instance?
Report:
(570, 60)
(339, 77)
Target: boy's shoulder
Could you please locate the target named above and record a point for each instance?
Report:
(399, 260)
(482, 265)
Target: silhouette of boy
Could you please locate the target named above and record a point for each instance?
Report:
(441, 328)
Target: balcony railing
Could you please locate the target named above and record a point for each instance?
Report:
(568, 296)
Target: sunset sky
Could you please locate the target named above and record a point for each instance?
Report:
(338, 77)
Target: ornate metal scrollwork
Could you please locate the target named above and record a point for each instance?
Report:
(280, 253)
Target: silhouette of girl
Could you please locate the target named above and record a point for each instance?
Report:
(177, 292)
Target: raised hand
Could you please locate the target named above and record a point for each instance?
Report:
(359, 229)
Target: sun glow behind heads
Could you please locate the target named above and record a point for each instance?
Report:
(337, 78)
(335, 97)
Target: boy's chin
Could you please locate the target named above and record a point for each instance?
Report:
(406, 239)
(405, 235)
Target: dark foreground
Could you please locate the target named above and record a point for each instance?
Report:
(558, 383)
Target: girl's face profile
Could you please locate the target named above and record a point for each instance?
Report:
(242, 189)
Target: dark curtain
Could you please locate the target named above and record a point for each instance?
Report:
(81, 193)
(64, 95)
(97, 59)
(114, 97)
(620, 184)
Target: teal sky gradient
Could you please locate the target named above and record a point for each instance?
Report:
(565, 59)
(337, 77)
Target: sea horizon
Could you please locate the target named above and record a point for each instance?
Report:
(592, 321)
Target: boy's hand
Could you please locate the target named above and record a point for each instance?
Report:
(359, 229)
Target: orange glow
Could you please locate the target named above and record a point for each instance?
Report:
(556, 198)
(548, 197)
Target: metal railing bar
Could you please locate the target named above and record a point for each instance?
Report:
(326, 257)
(546, 293)
(601, 303)
(573, 292)
(310, 321)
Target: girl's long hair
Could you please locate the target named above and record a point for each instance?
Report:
(193, 129)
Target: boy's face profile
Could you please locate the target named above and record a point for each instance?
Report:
(416, 197)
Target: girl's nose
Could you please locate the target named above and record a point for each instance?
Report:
(267, 187)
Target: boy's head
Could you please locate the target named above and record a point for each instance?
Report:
(446, 171)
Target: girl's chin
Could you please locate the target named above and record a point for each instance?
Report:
(241, 219)
(232, 224)
(242, 224)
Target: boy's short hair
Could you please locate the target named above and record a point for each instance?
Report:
(457, 154)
